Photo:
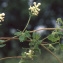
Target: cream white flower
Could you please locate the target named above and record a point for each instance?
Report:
(34, 9)
(29, 53)
(2, 17)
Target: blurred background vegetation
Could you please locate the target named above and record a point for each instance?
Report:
(16, 18)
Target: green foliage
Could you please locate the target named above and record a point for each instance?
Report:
(57, 34)
(18, 33)
(35, 42)
(54, 37)
(23, 35)
(34, 38)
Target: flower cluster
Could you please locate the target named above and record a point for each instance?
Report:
(2, 17)
(30, 53)
(34, 9)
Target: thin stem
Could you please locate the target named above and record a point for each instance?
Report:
(49, 43)
(5, 38)
(10, 57)
(44, 29)
(44, 38)
(52, 54)
(27, 23)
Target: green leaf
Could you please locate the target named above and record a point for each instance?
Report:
(36, 36)
(37, 43)
(53, 38)
(2, 41)
(2, 45)
(18, 33)
(27, 34)
(23, 35)
(22, 38)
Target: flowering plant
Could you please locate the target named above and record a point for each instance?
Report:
(34, 38)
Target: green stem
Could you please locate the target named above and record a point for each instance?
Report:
(44, 38)
(27, 23)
